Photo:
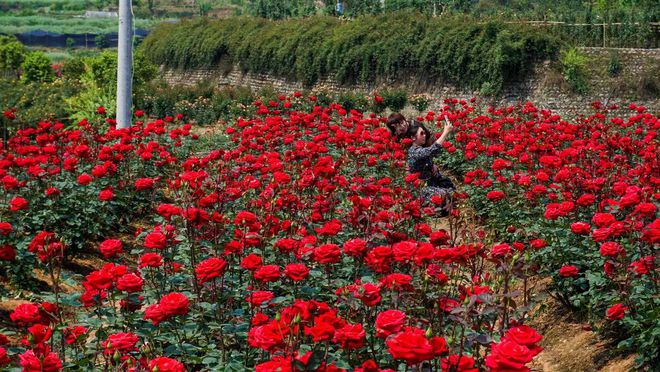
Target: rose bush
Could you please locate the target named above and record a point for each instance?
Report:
(303, 244)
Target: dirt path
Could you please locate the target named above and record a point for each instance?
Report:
(573, 346)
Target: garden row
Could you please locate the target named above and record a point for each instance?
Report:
(302, 244)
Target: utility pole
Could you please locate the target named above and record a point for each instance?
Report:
(125, 64)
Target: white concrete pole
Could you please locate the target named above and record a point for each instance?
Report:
(125, 64)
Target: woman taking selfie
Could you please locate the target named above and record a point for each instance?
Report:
(420, 160)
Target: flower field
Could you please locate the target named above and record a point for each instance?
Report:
(300, 243)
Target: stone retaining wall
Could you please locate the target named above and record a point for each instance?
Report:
(545, 87)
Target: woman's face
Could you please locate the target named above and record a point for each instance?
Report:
(401, 127)
(420, 137)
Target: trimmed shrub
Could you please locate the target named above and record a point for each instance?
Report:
(386, 47)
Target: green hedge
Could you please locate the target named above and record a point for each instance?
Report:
(388, 47)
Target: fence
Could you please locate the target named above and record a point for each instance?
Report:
(87, 40)
(606, 35)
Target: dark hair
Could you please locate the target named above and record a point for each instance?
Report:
(394, 119)
(414, 127)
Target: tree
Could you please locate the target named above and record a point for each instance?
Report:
(12, 56)
(37, 68)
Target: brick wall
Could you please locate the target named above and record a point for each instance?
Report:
(545, 87)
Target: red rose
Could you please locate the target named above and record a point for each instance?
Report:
(144, 183)
(155, 240)
(269, 336)
(48, 362)
(99, 280)
(164, 364)
(369, 293)
(110, 248)
(414, 347)
(508, 356)
(39, 333)
(330, 228)
(296, 271)
(75, 334)
(404, 250)
(321, 331)
(52, 191)
(351, 336)
(4, 359)
(122, 342)
(210, 269)
(651, 233)
(168, 210)
(389, 322)
(18, 204)
(603, 219)
(440, 237)
(26, 314)
(5, 228)
(150, 260)
(379, 259)
(495, 195)
(568, 271)
(7, 253)
(525, 335)
(355, 247)
(538, 243)
(106, 195)
(458, 363)
(130, 283)
(84, 179)
(244, 218)
(616, 312)
(257, 298)
(602, 234)
(611, 249)
(251, 262)
(581, 228)
(155, 313)
(175, 303)
(327, 253)
(500, 250)
(268, 273)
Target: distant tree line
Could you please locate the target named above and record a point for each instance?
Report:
(592, 11)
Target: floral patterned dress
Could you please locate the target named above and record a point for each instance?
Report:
(420, 160)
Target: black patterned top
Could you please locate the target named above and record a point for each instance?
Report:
(420, 160)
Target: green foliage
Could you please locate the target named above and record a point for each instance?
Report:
(98, 77)
(69, 42)
(379, 48)
(574, 69)
(73, 68)
(37, 68)
(614, 65)
(100, 41)
(279, 9)
(351, 100)
(420, 102)
(12, 55)
(394, 99)
(37, 101)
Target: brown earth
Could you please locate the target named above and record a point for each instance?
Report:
(572, 346)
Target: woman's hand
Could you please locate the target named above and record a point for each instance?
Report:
(445, 132)
(448, 125)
